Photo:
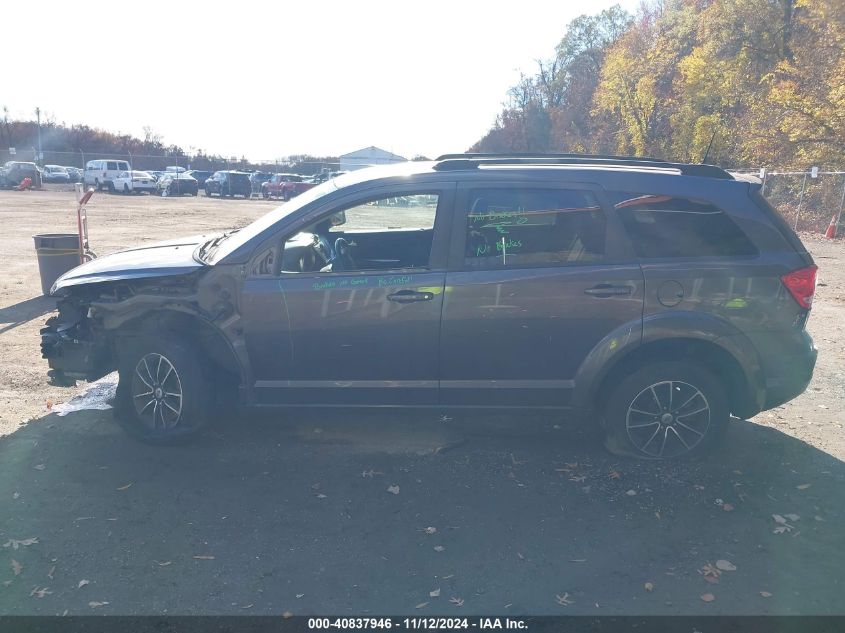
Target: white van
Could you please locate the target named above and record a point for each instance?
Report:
(101, 173)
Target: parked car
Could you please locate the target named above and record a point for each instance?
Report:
(229, 183)
(75, 174)
(101, 173)
(55, 174)
(654, 299)
(156, 174)
(201, 176)
(177, 184)
(134, 182)
(285, 186)
(258, 178)
(14, 172)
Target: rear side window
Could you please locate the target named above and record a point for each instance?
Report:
(516, 227)
(663, 226)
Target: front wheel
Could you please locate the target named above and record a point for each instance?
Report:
(665, 410)
(162, 393)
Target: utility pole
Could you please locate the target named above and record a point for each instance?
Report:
(40, 152)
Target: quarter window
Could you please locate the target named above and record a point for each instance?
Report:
(662, 226)
(514, 228)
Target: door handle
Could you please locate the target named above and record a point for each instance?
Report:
(410, 296)
(608, 290)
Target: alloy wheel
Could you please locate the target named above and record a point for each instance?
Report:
(668, 419)
(157, 392)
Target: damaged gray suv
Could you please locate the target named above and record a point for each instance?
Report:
(656, 298)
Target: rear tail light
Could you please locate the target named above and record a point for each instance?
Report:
(801, 284)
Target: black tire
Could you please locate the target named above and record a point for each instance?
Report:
(157, 367)
(110, 185)
(285, 195)
(125, 189)
(665, 410)
(97, 184)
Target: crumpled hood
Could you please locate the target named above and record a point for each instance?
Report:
(160, 259)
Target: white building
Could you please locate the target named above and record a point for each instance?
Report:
(368, 157)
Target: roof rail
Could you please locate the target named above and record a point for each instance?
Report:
(450, 162)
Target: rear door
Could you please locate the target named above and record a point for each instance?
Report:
(538, 276)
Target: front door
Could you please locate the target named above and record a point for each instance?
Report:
(353, 317)
(536, 281)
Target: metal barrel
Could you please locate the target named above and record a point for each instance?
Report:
(57, 253)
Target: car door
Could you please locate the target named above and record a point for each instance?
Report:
(352, 332)
(538, 277)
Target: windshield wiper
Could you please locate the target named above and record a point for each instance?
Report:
(206, 249)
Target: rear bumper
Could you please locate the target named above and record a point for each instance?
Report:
(788, 364)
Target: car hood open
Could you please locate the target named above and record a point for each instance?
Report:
(160, 259)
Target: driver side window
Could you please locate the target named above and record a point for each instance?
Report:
(385, 233)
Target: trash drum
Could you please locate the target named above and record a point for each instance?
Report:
(57, 253)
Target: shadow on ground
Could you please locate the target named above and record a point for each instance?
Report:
(492, 514)
(25, 311)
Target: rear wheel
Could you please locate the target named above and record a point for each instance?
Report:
(665, 410)
(162, 393)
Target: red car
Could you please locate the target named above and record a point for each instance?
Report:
(285, 186)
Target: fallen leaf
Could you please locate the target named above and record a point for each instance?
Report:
(17, 568)
(631, 493)
(300, 595)
(765, 594)
(435, 593)
(51, 572)
(16, 495)
(725, 565)
(204, 557)
(579, 479)
(439, 548)
(430, 530)
(710, 573)
(698, 487)
(778, 519)
(126, 487)
(49, 404)
(803, 486)
(614, 474)
(322, 496)
(421, 605)
(708, 597)
(792, 517)
(94, 604)
(727, 507)
(247, 606)
(15, 543)
(649, 586)
(39, 467)
(521, 557)
(394, 489)
(39, 592)
(163, 563)
(370, 473)
(564, 600)
(458, 602)
(82, 583)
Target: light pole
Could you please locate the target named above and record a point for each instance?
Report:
(38, 117)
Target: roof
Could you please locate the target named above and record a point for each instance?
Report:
(372, 150)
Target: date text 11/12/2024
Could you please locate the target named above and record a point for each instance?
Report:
(433, 623)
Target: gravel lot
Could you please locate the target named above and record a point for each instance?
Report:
(491, 514)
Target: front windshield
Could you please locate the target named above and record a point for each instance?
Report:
(236, 240)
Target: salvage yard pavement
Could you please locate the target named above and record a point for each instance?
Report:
(312, 512)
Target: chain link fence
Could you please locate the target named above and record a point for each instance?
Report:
(809, 200)
(145, 162)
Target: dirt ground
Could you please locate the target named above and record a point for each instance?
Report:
(297, 512)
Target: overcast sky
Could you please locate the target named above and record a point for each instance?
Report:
(270, 79)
